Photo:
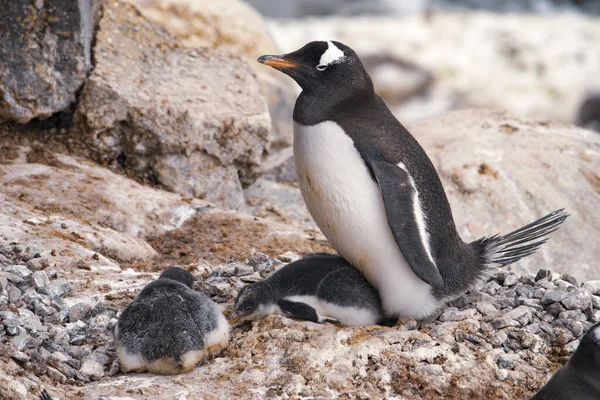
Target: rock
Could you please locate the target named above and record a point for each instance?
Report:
(36, 264)
(570, 279)
(454, 315)
(522, 315)
(234, 27)
(578, 299)
(280, 202)
(237, 269)
(553, 296)
(511, 280)
(14, 294)
(593, 287)
(57, 287)
(158, 112)
(92, 369)
(506, 361)
(20, 270)
(588, 115)
(44, 56)
(40, 279)
(543, 273)
(80, 311)
(397, 79)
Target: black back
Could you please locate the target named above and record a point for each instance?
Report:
(179, 275)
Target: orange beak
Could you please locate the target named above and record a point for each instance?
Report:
(276, 62)
(233, 320)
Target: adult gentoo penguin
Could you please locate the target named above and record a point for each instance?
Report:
(579, 379)
(375, 194)
(319, 287)
(169, 328)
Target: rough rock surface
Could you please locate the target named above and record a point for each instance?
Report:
(235, 27)
(45, 54)
(191, 120)
(478, 59)
(500, 172)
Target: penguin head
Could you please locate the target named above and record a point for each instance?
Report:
(323, 68)
(179, 275)
(253, 299)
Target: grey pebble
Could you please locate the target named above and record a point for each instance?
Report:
(553, 296)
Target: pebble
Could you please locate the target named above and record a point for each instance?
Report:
(58, 287)
(543, 273)
(511, 279)
(593, 287)
(553, 296)
(40, 279)
(20, 270)
(578, 299)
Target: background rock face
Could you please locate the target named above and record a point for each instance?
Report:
(45, 54)
(191, 120)
(235, 27)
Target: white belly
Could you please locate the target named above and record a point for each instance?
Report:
(348, 208)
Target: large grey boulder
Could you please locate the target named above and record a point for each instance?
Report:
(235, 27)
(45, 54)
(190, 120)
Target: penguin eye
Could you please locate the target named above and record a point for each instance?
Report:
(321, 67)
(248, 310)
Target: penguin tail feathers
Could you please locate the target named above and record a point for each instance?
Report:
(498, 251)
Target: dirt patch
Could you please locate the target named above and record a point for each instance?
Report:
(218, 238)
(593, 179)
(508, 129)
(42, 155)
(8, 154)
(485, 169)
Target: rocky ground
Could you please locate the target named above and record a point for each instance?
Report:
(511, 333)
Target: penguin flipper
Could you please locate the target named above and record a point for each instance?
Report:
(302, 311)
(401, 206)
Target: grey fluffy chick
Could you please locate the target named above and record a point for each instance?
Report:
(169, 328)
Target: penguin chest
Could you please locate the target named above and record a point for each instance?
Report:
(348, 207)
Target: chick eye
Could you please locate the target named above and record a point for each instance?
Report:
(248, 309)
(321, 67)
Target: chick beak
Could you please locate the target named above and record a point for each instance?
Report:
(233, 320)
(277, 62)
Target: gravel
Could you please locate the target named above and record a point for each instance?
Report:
(515, 317)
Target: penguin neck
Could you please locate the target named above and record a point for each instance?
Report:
(317, 106)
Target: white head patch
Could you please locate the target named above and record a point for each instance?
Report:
(332, 55)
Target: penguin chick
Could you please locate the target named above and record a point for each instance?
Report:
(579, 379)
(318, 288)
(169, 328)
